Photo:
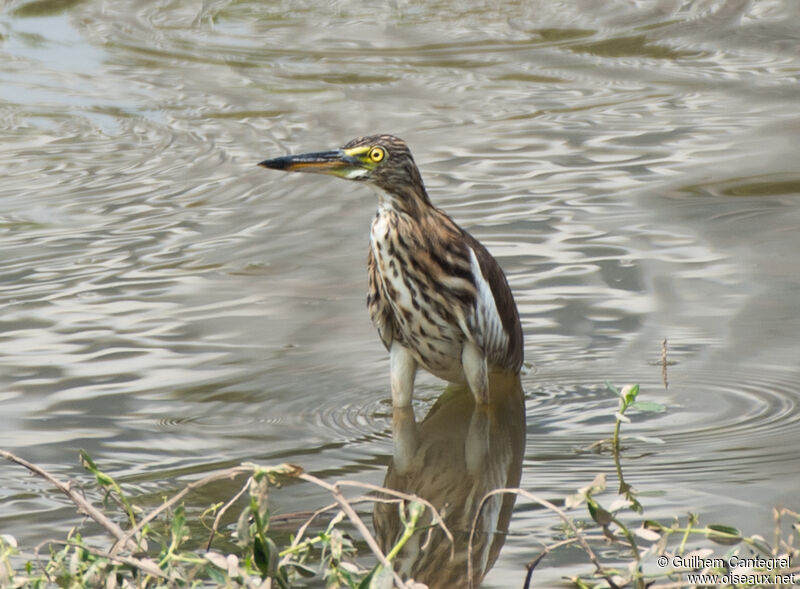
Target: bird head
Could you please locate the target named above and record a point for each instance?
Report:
(383, 161)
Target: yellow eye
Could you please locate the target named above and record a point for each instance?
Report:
(376, 154)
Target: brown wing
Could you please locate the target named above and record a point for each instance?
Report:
(509, 355)
(493, 320)
(380, 311)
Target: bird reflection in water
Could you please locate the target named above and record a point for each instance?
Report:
(461, 451)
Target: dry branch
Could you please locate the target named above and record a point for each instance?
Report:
(79, 500)
(548, 505)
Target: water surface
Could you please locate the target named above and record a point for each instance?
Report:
(173, 309)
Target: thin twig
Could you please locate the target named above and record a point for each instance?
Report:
(228, 473)
(566, 542)
(358, 523)
(147, 567)
(544, 503)
(298, 537)
(547, 550)
(79, 500)
(435, 515)
(224, 509)
(125, 540)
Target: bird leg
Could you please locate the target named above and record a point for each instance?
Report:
(404, 439)
(403, 371)
(476, 444)
(474, 362)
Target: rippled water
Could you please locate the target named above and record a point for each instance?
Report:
(173, 309)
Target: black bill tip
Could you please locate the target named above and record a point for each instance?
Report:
(320, 162)
(277, 163)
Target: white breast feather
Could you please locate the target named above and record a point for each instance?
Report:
(382, 258)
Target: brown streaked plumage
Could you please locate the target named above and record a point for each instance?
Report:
(437, 297)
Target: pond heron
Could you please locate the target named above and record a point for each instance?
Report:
(437, 297)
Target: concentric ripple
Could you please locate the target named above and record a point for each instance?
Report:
(726, 424)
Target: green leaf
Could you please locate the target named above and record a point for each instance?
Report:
(724, 529)
(217, 559)
(573, 500)
(415, 510)
(89, 464)
(600, 515)
(217, 576)
(366, 581)
(648, 407)
(629, 393)
(381, 578)
(579, 583)
(283, 581)
(282, 575)
(636, 506)
(243, 527)
(343, 575)
(647, 534)
(727, 536)
(622, 418)
(336, 544)
(104, 479)
(87, 461)
(304, 570)
(760, 543)
(261, 556)
(598, 485)
(179, 524)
